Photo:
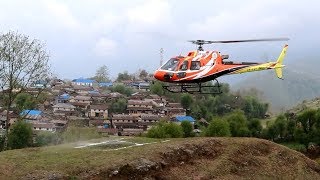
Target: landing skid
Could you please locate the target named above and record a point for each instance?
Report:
(194, 88)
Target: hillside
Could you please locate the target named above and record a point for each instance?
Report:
(192, 158)
(284, 94)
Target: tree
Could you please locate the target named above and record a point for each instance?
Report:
(187, 129)
(20, 135)
(238, 124)
(118, 106)
(22, 62)
(255, 127)
(218, 128)
(124, 76)
(165, 130)
(186, 100)
(102, 74)
(25, 101)
(157, 88)
(143, 74)
(122, 89)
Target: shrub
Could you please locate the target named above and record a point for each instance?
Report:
(218, 128)
(20, 136)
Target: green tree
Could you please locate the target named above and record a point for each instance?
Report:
(20, 136)
(281, 126)
(186, 100)
(165, 130)
(122, 89)
(102, 74)
(255, 127)
(238, 124)
(157, 88)
(124, 76)
(187, 129)
(22, 62)
(25, 101)
(219, 128)
(118, 106)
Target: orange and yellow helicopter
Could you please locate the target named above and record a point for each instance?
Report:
(189, 73)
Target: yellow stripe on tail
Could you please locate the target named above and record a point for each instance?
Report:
(278, 67)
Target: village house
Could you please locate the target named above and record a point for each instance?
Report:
(114, 95)
(174, 109)
(137, 96)
(63, 98)
(125, 121)
(3, 117)
(179, 119)
(140, 107)
(147, 120)
(83, 82)
(64, 109)
(44, 127)
(99, 111)
(82, 90)
(31, 115)
(82, 99)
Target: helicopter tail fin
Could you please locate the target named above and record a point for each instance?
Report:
(278, 67)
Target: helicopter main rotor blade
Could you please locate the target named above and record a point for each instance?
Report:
(249, 40)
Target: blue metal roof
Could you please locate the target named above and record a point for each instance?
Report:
(30, 112)
(65, 96)
(80, 80)
(185, 118)
(105, 84)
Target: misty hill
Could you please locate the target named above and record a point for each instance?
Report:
(301, 82)
(188, 158)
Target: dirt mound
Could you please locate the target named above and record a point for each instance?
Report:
(220, 158)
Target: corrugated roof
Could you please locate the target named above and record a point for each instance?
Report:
(80, 80)
(31, 112)
(185, 118)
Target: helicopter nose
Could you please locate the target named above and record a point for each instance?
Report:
(157, 75)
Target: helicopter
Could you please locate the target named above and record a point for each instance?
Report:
(189, 74)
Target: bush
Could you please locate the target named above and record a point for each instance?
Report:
(187, 129)
(165, 130)
(20, 136)
(218, 128)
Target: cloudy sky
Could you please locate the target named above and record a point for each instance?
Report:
(82, 35)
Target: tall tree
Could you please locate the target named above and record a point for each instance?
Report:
(102, 74)
(23, 61)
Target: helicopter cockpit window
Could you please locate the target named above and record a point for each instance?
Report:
(171, 64)
(195, 65)
(184, 66)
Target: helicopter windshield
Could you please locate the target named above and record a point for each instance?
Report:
(171, 64)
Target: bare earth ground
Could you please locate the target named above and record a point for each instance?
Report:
(143, 158)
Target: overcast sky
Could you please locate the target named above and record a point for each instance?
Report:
(82, 35)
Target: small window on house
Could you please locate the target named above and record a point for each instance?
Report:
(34, 128)
(48, 129)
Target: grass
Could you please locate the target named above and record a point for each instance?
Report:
(231, 156)
(68, 160)
(295, 146)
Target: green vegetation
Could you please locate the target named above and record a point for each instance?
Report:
(47, 138)
(20, 136)
(25, 101)
(120, 88)
(118, 106)
(187, 129)
(218, 128)
(165, 130)
(302, 128)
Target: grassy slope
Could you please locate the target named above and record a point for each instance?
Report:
(176, 159)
